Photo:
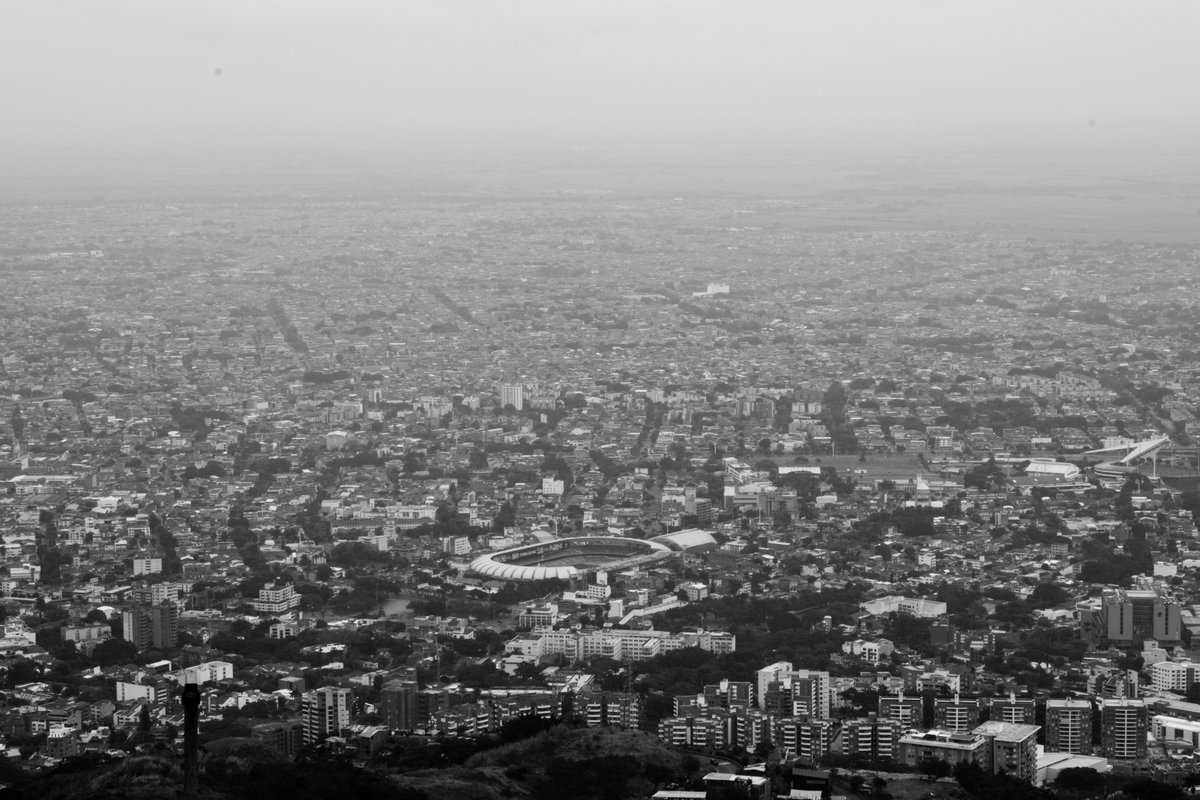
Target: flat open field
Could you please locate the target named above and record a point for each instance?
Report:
(919, 789)
(914, 787)
(577, 558)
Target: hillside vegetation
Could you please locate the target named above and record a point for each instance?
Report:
(560, 762)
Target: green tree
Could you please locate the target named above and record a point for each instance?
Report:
(1084, 780)
(1048, 595)
(22, 671)
(764, 749)
(506, 517)
(782, 518)
(969, 775)
(111, 652)
(1152, 790)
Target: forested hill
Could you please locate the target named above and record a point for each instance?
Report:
(556, 764)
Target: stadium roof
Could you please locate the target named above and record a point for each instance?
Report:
(687, 539)
(496, 566)
(517, 572)
(1135, 450)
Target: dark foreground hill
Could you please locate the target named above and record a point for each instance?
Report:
(580, 764)
(233, 768)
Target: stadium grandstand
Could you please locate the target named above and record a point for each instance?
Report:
(1112, 474)
(567, 559)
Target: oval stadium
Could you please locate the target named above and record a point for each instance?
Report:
(569, 558)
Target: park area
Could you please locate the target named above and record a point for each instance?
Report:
(898, 786)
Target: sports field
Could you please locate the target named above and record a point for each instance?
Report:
(578, 557)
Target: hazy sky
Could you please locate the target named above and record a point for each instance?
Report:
(83, 73)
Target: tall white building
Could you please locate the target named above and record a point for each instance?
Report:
(1069, 725)
(214, 671)
(512, 394)
(1123, 726)
(325, 712)
(810, 689)
(1174, 676)
(147, 565)
(274, 599)
(1011, 748)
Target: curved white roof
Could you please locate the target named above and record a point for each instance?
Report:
(1135, 451)
(485, 565)
(493, 565)
(688, 539)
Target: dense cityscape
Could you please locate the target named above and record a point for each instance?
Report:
(599, 400)
(401, 483)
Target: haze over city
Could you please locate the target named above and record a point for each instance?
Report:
(592, 400)
(174, 81)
